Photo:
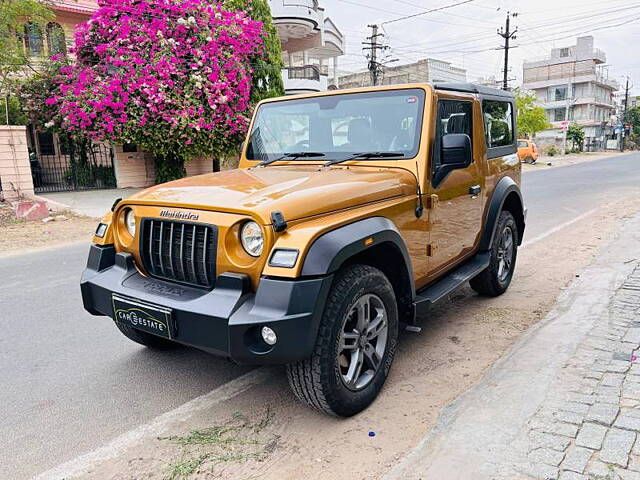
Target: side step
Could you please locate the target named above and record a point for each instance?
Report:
(443, 287)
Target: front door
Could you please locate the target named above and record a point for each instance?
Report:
(456, 202)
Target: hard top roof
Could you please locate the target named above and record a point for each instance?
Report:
(473, 88)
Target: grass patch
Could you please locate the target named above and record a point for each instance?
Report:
(238, 440)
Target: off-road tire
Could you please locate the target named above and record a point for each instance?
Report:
(317, 381)
(146, 339)
(529, 159)
(488, 281)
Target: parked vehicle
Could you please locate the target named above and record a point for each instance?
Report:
(527, 151)
(350, 214)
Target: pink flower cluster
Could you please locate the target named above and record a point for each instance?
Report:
(166, 74)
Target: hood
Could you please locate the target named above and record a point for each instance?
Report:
(297, 191)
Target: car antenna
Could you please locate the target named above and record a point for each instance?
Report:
(420, 207)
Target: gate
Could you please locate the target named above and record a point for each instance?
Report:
(73, 165)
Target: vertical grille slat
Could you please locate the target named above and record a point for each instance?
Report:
(177, 251)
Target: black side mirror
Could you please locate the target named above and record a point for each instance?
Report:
(456, 150)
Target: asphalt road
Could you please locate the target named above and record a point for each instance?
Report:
(70, 382)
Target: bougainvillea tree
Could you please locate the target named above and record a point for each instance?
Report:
(172, 76)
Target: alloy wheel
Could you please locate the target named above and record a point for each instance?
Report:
(505, 253)
(363, 341)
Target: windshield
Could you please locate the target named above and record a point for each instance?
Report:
(340, 126)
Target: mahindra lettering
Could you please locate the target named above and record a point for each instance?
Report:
(350, 214)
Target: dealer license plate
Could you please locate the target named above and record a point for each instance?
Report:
(142, 316)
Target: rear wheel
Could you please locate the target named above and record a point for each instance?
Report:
(354, 347)
(495, 279)
(146, 339)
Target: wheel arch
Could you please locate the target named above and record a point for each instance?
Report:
(374, 241)
(506, 196)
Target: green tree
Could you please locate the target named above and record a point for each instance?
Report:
(633, 117)
(531, 117)
(267, 76)
(575, 133)
(15, 16)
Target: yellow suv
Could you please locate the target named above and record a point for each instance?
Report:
(350, 214)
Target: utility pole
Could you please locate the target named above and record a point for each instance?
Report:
(375, 48)
(624, 114)
(507, 35)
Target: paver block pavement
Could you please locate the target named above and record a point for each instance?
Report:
(629, 419)
(591, 436)
(577, 459)
(602, 413)
(617, 446)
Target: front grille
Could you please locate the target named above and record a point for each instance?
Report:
(179, 251)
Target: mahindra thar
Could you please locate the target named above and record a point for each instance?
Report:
(351, 212)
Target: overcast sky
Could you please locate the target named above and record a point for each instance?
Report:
(466, 34)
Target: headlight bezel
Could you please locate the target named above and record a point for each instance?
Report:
(256, 235)
(131, 228)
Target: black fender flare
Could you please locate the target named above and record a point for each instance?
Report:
(330, 250)
(505, 186)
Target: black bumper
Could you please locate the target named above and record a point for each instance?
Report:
(225, 321)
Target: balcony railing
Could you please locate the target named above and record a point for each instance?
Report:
(307, 72)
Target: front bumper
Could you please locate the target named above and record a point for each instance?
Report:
(225, 321)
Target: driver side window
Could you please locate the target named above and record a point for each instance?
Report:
(454, 116)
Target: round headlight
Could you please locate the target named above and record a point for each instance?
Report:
(252, 239)
(130, 221)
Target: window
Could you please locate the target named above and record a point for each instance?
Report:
(45, 141)
(339, 126)
(564, 52)
(33, 39)
(559, 115)
(560, 93)
(454, 116)
(55, 39)
(498, 123)
(522, 144)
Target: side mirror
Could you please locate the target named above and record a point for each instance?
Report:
(456, 150)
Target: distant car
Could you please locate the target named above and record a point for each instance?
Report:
(527, 150)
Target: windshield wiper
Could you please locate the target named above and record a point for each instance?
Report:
(364, 156)
(291, 156)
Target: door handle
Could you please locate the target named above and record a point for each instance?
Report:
(474, 190)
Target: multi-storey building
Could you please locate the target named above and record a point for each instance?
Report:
(311, 45)
(425, 70)
(572, 85)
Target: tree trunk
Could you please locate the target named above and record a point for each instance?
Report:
(169, 168)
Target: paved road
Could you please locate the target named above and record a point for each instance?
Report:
(70, 382)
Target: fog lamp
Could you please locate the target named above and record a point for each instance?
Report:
(269, 336)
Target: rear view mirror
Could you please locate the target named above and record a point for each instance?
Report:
(456, 150)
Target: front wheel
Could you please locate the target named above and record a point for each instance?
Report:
(495, 279)
(355, 345)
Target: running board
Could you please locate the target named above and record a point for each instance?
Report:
(443, 287)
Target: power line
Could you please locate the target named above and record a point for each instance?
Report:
(444, 7)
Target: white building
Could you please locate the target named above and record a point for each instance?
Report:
(425, 70)
(572, 85)
(311, 45)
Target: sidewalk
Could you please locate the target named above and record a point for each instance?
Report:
(91, 203)
(564, 403)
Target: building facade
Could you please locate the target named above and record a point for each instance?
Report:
(311, 45)
(425, 70)
(572, 85)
